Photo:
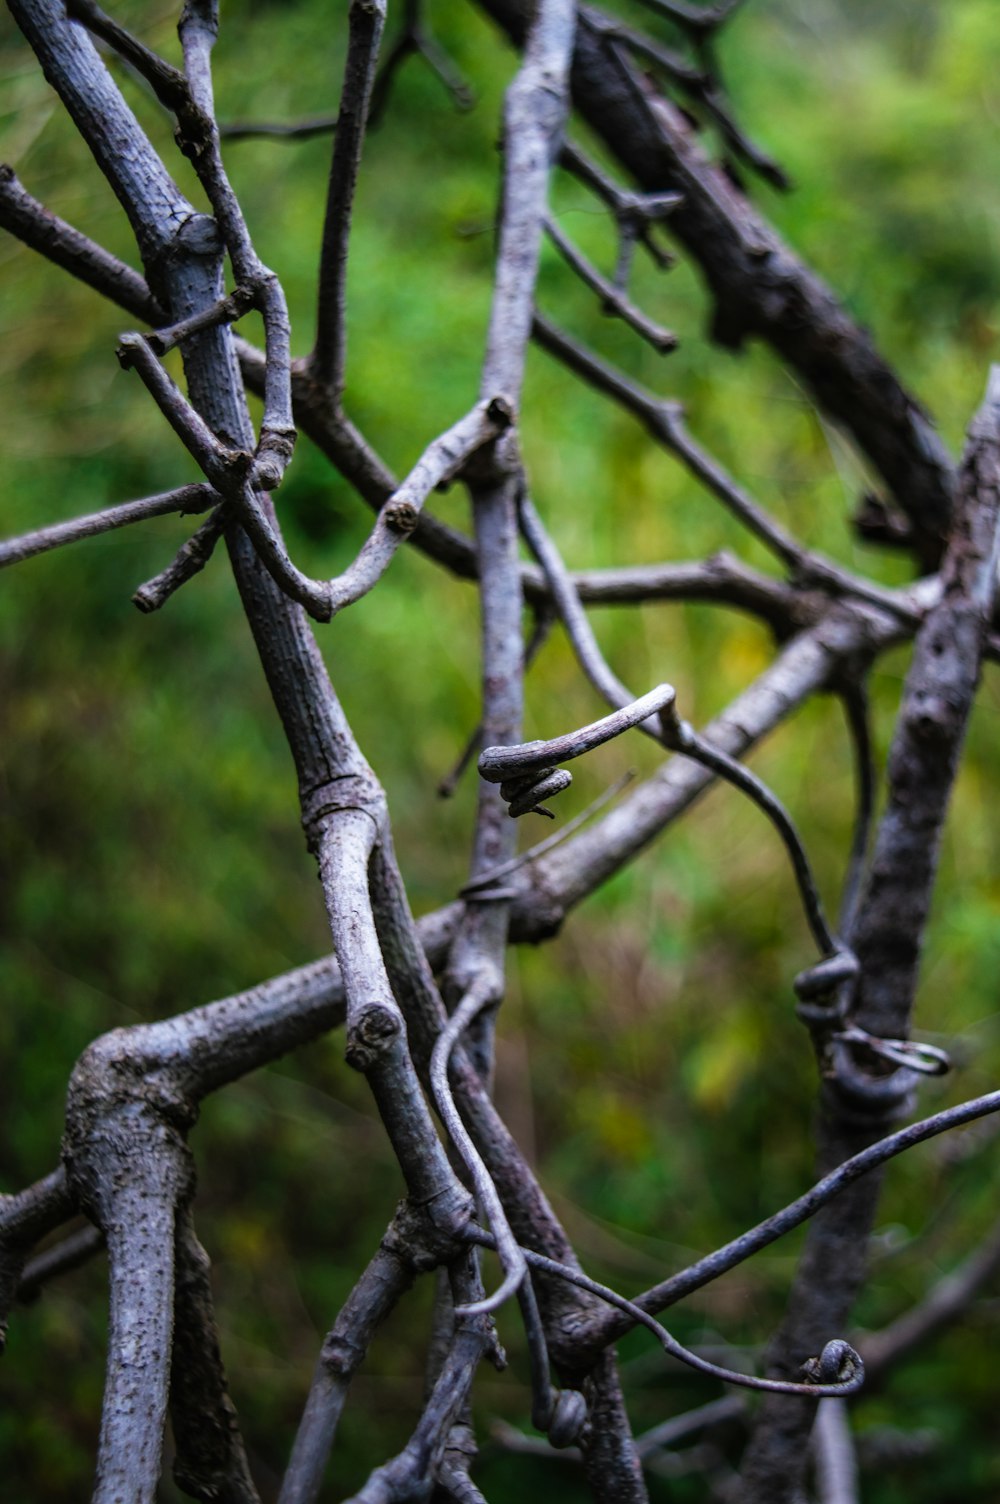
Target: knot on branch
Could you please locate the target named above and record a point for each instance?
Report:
(426, 1236)
(401, 516)
(339, 1355)
(371, 1034)
(274, 454)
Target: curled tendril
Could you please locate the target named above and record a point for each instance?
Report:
(529, 773)
(837, 1372)
(838, 1363)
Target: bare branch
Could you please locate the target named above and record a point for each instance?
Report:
(26, 1217)
(760, 289)
(860, 1097)
(193, 498)
(664, 420)
(415, 39)
(613, 299)
(190, 560)
(635, 213)
(298, 130)
(513, 1264)
(69, 1253)
(700, 86)
(366, 19)
(210, 1460)
(838, 1371)
(384, 1281)
(836, 1462)
(52, 237)
(741, 1248)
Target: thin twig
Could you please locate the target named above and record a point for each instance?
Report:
(296, 130)
(854, 699)
(69, 1253)
(193, 498)
(664, 420)
(634, 213)
(415, 39)
(366, 19)
(678, 1286)
(23, 216)
(190, 559)
(839, 1369)
(513, 1264)
(836, 1460)
(384, 1281)
(614, 300)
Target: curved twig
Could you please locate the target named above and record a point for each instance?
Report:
(838, 1357)
(510, 1255)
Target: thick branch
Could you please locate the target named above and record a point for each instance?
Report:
(923, 761)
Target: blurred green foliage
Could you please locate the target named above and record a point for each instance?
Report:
(649, 1060)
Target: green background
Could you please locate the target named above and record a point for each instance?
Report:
(649, 1059)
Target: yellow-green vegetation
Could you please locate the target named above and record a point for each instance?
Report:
(149, 834)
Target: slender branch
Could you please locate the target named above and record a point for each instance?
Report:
(69, 1253)
(700, 86)
(685, 739)
(384, 1281)
(296, 130)
(760, 289)
(185, 499)
(836, 1461)
(613, 299)
(854, 698)
(82, 257)
(664, 420)
(860, 1097)
(366, 19)
(166, 81)
(343, 832)
(442, 459)
(190, 559)
(407, 1475)
(511, 1260)
(678, 1286)
(415, 39)
(534, 113)
(634, 213)
(838, 1371)
(210, 1460)
(219, 463)
(25, 1217)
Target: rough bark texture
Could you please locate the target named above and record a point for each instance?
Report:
(419, 1000)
